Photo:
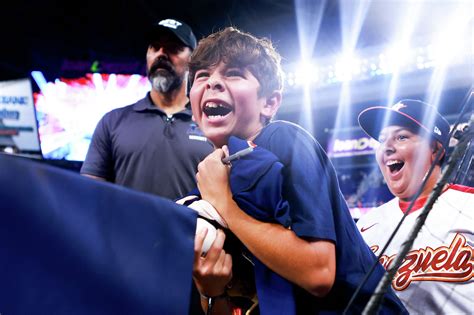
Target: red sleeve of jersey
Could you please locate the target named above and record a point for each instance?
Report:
(462, 188)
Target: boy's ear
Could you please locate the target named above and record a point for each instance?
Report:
(188, 83)
(272, 104)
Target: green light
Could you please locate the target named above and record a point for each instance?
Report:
(95, 67)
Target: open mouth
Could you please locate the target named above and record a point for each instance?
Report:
(395, 165)
(213, 109)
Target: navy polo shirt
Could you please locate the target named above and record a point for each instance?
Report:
(140, 147)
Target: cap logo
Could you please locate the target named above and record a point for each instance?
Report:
(170, 23)
(398, 106)
(437, 131)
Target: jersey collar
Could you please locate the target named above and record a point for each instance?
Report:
(419, 203)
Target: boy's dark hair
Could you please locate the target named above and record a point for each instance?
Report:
(242, 50)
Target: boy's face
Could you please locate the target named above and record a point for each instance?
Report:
(404, 158)
(225, 101)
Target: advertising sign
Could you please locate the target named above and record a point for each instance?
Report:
(355, 142)
(18, 127)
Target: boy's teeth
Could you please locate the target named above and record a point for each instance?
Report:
(211, 104)
(213, 109)
(214, 105)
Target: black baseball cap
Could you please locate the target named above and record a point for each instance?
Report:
(180, 29)
(414, 114)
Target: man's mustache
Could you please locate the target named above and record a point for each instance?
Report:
(162, 64)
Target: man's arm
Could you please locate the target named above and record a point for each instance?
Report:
(309, 264)
(98, 163)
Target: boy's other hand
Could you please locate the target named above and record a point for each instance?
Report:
(213, 271)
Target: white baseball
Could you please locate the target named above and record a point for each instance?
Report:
(211, 234)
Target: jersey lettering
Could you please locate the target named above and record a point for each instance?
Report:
(447, 264)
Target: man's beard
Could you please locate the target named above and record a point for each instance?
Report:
(165, 83)
(163, 76)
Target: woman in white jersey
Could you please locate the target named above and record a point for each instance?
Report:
(437, 274)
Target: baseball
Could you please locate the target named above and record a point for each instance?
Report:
(211, 234)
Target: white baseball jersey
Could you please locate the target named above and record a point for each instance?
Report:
(437, 274)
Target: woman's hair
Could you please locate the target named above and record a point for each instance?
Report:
(243, 50)
(435, 145)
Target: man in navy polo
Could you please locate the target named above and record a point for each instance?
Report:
(153, 145)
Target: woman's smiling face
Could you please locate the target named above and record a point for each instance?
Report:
(404, 157)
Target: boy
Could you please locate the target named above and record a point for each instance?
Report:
(436, 276)
(236, 90)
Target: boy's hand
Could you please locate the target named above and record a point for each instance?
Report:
(213, 271)
(213, 180)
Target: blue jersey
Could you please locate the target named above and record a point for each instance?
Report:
(318, 211)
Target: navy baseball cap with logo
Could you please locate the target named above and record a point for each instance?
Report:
(414, 114)
(180, 29)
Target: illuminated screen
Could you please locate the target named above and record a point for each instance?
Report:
(68, 110)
